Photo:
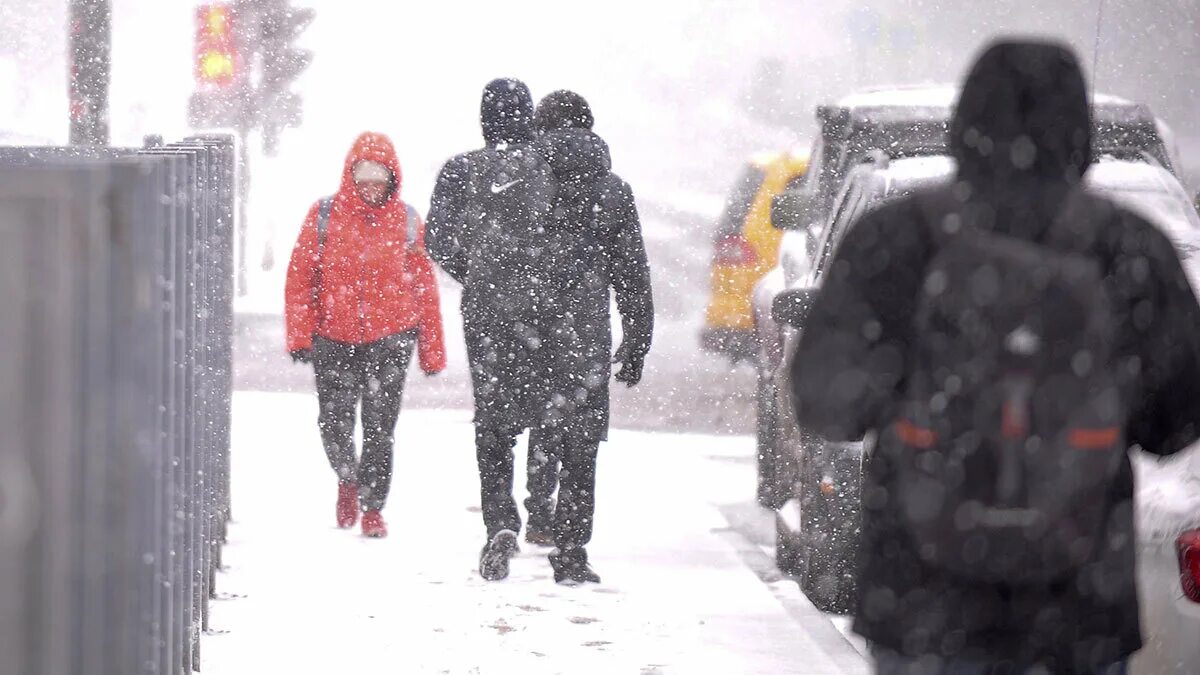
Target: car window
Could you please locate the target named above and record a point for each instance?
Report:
(741, 198)
(848, 209)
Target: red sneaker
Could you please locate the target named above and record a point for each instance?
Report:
(347, 505)
(373, 525)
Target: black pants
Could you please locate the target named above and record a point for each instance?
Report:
(541, 477)
(573, 516)
(371, 375)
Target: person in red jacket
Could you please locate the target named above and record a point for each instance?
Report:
(360, 296)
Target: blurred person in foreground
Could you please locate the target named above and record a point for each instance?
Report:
(360, 297)
(597, 210)
(1005, 340)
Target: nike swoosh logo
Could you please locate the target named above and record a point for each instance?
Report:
(497, 189)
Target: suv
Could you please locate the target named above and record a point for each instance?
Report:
(745, 248)
(892, 123)
(818, 482)
(861, 128)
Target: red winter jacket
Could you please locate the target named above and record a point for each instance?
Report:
(372, 282)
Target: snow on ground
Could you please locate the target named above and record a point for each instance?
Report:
(299, 596)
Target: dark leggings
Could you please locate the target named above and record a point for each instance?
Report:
(370, 376)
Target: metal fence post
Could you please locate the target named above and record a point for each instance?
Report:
(114, 464)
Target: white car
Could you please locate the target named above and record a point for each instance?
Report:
(1167, 501)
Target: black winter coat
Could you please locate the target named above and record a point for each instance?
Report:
(596, 218)
(1022, 143)
(549, 363)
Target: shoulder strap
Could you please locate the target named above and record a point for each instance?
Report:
(413, 225)
(324, 209)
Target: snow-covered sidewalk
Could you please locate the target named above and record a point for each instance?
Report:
(300, 596)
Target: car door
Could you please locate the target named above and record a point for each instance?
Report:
(851, 204)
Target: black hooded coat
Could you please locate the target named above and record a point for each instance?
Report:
(596, 220)
(1021, 138)
(504, 325)
(537, 324)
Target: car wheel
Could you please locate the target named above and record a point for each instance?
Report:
(828, 578)
(770, 492)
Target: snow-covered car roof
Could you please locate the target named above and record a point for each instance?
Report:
(945, 97)
(924, 112)
(1151, 192)
(901, 176)
(918, 96)
(918, 171)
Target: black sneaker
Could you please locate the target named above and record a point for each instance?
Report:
(572, 570)
(493, 561)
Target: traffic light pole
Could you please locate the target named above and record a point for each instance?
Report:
(90, 27)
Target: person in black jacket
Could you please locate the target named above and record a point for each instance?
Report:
(595, 213)
(485, 204)
(1022, 141)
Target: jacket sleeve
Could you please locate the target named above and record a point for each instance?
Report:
(631, 272)
(300, 314)
(431, 342)
(445, 223)
(850, 362)
(1166, 416)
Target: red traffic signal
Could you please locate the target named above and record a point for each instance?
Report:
(216, 57)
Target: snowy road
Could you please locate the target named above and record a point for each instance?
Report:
(680, 594)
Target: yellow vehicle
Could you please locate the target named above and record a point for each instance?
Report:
(746, 248)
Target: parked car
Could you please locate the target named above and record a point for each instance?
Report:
(819, 482)
(1168, 491)
(892, 123)
(744, 249)
(896, 123)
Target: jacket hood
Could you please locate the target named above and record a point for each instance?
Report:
(506, 112)
(576, 155)
(377, 148)
(564, 109)
(1023, 119)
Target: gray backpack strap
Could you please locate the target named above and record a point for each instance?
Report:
(324, 209)
(413, 226)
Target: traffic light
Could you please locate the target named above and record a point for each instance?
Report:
(216, 54)
(222, 78)
(280, 25)
(246, 61)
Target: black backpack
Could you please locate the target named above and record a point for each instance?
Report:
(1011, 431)
(510, 197)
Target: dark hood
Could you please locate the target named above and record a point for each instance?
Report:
(564, 109)
(1022, 129)
(576, 155)
(506, 112)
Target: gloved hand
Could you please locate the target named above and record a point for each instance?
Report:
(302, 355)
(631, 364)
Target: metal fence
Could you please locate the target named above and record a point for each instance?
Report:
(116, 288)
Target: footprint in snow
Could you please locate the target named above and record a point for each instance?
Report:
(583, 620)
